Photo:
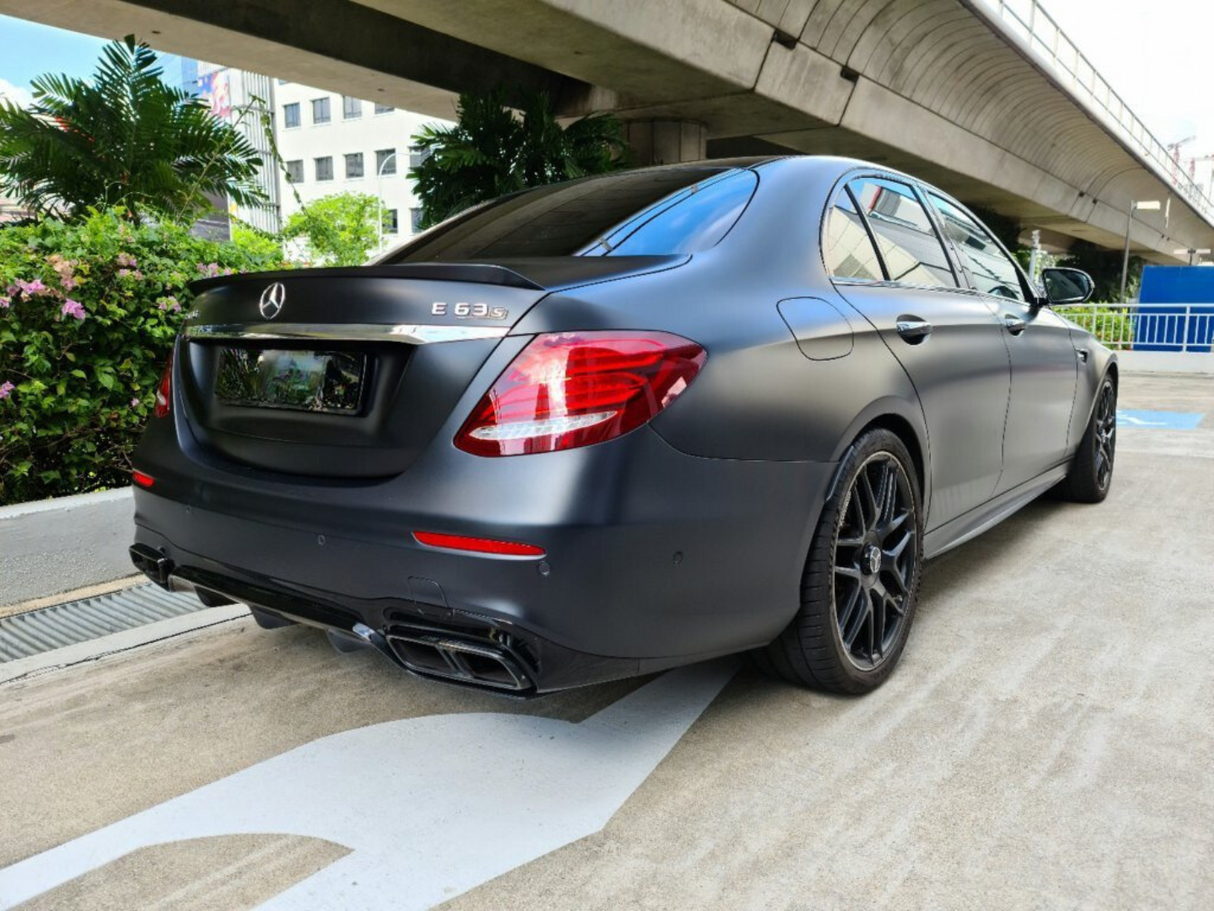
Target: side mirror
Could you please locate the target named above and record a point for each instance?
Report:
(1067, 286)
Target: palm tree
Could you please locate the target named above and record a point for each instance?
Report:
(125, 139)
(492, 150)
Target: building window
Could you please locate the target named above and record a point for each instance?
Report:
(282, 82)
(351, 108)
(391, 222)
(415, 220)
(320, 110)
(383, 108)
(385, 161)
(354, 165)
(295, 172)
(290, 115)
(324, 168)
(417, 156)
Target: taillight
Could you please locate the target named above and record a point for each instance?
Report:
(572, 389)
(164, 391)
(143, 479)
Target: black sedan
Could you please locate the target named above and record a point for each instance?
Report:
(620, 424)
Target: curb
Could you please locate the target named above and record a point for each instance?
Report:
(58, 545)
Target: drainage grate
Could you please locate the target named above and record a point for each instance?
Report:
(49, 628)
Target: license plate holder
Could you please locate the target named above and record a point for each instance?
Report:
(327, 382)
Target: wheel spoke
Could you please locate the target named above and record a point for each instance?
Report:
(856, 619)
(850, 609)
(850, 571)
(868, 508)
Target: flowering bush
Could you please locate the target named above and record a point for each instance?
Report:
(88, 312)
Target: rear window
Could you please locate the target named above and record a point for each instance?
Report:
(632, 213)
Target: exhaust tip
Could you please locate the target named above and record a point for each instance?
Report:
(152, 564)
(458, 660)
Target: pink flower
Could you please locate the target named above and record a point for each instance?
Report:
(138, 275)
(125, 259)
(11, 289)
(68, 283)
(31, 288)
(123, 273)
(72, 308)
(135, 403)
(6, 389)
(4, 302)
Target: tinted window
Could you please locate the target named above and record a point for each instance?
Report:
(912, 251)
(660, 211)
(846, 246)
(992, 271)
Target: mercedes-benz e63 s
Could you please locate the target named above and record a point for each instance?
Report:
(624, 423)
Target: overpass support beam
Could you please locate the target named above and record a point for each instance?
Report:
(666, 141)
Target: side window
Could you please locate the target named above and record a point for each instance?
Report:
(909, 244)
(992, 271)
(846, 246)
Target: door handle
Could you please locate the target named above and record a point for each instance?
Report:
(1014, 324)
(914, 330)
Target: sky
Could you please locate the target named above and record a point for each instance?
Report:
(1155, 53)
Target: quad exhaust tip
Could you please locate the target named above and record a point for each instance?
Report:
(457, 660)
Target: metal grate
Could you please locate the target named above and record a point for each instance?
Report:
(49, 628)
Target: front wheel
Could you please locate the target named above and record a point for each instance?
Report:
(861, 581)
(1091, 473)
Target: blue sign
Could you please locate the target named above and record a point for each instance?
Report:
(1160, 420)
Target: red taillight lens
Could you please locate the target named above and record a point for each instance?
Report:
(142, 479)
(573, 389)
(164, 391)
(477, 545)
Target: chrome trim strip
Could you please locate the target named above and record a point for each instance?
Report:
(346, 332)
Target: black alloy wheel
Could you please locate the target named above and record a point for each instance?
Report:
(876, 555)
(1091, 473)
(861, 579)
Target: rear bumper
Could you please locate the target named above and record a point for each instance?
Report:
(653, 558)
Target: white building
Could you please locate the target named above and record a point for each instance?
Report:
(334, 144)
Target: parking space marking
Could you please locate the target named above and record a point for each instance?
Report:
(429, 807)
(1162, 420)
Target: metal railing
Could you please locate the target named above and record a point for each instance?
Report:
(1147, 327)
(1029, 21)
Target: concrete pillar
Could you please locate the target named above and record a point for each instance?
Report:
(666, 141)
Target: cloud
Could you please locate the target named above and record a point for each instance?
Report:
(15, 93)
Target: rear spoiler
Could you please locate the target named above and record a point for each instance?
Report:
(538, 273)
(481, 273)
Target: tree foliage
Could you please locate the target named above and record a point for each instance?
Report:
(492, 150)
(125, 139)
(337, 230)
(88, 312)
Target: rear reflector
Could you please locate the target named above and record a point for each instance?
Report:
(477, 545)
(572, 389)
(143, 480)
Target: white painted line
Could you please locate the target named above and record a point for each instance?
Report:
(119, 642)
(430, 807)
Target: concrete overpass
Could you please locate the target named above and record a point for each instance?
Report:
(986, 98)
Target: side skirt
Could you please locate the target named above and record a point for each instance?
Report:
(989, 514)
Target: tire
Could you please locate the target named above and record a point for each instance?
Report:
(855, 647)
(1091, 473)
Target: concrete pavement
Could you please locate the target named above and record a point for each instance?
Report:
(1047, 741)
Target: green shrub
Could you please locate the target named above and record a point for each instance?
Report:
(88, 312)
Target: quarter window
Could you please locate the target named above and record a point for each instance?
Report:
(847, 248)
(909, 244)
(990, 268)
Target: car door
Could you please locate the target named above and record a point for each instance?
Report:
(1043, 357)
(889, 263)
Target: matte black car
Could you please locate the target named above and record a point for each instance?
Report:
(624, 423)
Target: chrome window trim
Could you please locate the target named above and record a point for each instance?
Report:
(406, 334)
